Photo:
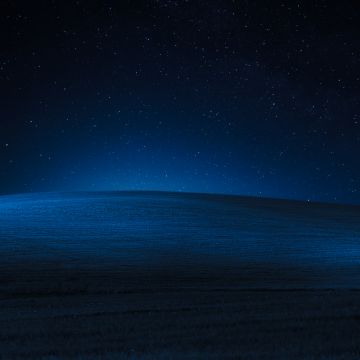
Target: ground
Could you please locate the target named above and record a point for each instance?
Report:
(161, 275)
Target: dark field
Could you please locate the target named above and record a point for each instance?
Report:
(162, 275)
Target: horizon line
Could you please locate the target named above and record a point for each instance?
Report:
(258, 197)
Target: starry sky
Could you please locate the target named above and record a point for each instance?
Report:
(241, 97)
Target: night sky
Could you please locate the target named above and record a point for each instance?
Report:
(242, 97)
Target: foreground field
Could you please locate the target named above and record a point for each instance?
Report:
(182, 324)
(157, 275)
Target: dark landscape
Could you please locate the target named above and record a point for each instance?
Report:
(180, 180)
(156, 275)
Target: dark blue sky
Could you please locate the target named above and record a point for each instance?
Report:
(243, 97)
